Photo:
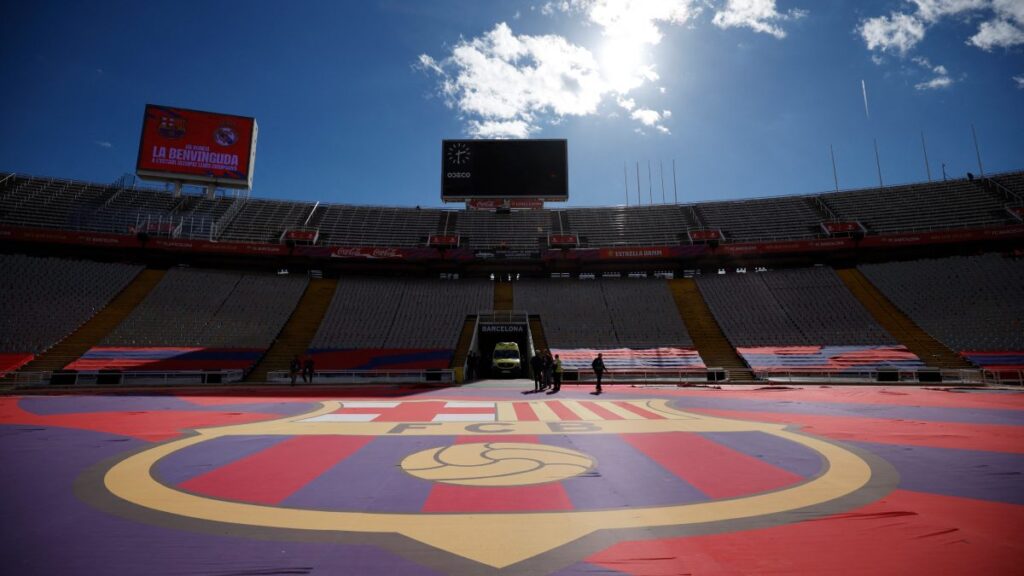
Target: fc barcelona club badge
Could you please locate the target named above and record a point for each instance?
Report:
(493, 487)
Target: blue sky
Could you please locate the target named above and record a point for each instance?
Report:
(353, 98)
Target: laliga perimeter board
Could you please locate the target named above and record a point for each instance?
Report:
(504, 169)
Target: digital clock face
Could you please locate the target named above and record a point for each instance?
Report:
(458, 153)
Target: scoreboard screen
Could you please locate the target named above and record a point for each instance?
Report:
(504, 169)
(205, 147)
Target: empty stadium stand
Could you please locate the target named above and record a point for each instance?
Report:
(776, 218)
(637, 226)
(376, 226)
(800, 320)
(969, 303)
(410, 323)
(199, 320)
(707, 335)
(46, 299)
(603, 314)
(931, 206)
(264, 220)
(297, 334)
(27, 201)
(92, 332)
(211, 308)
(808, 306)
(517, 230)
(902, 327)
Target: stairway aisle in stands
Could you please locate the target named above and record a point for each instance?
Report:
(299, 331)
(98, 327)
(465, 339)
(503, 297)
(540, 341)
(711, 343)
(903, 329)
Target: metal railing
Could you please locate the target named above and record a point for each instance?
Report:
(1004, 377)
(946, 377)
(503, 317)
(433, 377)
(655, 376)
(127, 378)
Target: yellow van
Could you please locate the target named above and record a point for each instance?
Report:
(506, 359)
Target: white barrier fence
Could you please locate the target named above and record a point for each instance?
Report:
(1004, 377)
(433, 377)
(947, 377)
(658, 376)
(128, 378)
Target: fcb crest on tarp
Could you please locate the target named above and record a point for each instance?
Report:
(504, 486)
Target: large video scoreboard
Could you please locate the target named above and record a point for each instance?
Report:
(506, 169)
(188, 145)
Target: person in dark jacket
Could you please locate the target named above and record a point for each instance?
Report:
(537, 367)
(294, 368)
(556, 372)
(598, 367)
(308, 369)
(549, 364)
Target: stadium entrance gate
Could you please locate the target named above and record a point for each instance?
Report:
(492, 328)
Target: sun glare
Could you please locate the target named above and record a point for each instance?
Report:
(624, 63)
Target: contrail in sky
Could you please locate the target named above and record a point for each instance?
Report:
(864, 89)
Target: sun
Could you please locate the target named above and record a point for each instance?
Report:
(624, 63)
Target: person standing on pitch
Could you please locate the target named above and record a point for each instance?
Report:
(598, 367)
(307, 372)
(549, 364)
(294, 367)
(557, 371)
(537, 366)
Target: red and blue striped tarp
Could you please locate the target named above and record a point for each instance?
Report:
(996, 360)
(829, 358)
(381, 359)
(632, 359)
(167, 358)
(11, 361)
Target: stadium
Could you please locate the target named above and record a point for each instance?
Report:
(200, 379)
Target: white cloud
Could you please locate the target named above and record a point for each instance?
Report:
(935, 83)
(504, 81)
(897, 32)
(499, 129)
(504, 84)
(508, 85)
(1002, 24)
(932, 10)
(1010, 10)
(758, 15)
(997, 34)
(646, 117)
(636, 20)
(1020, 81)
(940, 79)
(103, 144)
